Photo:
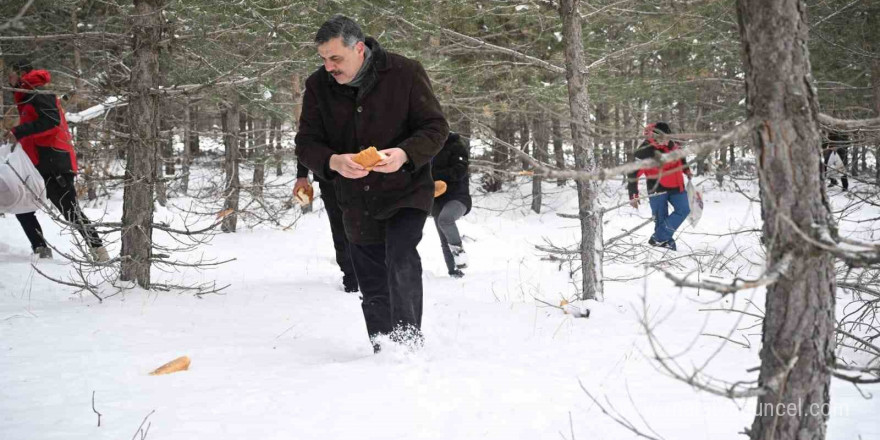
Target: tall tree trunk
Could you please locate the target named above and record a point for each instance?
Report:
(194, 131)
(798, 331)
(558, 152)
(732, 160)
(165, 143)
(493, 180)
(233, 158)
(524, 137)
(186, 160)
(542, 138)
(854, 161)
(589, 209)
(86, 154)
(616, 155)
(142, 149)
(276, 135)
(875, 85)
(873, 46)
(259, 158)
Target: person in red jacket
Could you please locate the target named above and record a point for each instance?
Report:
(45, 137)
(665, 185)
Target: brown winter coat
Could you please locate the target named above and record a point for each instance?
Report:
(395, 107)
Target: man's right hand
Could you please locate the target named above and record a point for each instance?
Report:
(301, 183)
(342, 164)
(634, 202)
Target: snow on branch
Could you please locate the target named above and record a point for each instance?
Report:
(15, 22)
(192, 88)
(727, 287)
(110, 36)
(853, 252)
(95, 111)
(849, 124)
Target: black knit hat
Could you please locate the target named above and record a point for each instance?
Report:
(21, 65)
(662, 126)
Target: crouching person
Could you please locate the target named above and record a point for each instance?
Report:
(453, 200)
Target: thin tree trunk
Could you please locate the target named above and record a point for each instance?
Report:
(142, 150)
(194, 149)
(558, 152)
(164, 158)
(242, 135)
(589, 211)
(542, 138)
(276, 135)
(82, 142)
(854, 161)
(186, 160)
(616, 137)
(873, 17)
(732, 156)
(259, 158)
(524, 136)
(798, 332)
(233, 158)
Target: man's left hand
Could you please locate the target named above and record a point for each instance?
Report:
(9, 137)
(396, 158)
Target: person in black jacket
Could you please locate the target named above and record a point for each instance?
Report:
(666, 185)
(450, 166)
(337, 229)
(365, 96)
(45, 137)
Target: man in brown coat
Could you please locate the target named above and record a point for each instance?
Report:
(364, 96)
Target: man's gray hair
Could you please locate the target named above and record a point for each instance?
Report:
(340, 26)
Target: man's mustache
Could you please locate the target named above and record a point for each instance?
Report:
(335, 72)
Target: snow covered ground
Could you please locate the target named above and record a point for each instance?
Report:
(283, 354)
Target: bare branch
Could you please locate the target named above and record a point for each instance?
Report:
(769, 277)
(15, 22)
(848, 124)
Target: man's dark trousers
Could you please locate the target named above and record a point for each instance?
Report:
(390, 274)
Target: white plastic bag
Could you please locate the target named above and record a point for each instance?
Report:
(835, 166)
(695, 202)
(17, 197)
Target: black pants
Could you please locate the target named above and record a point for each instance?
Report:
(61, 192)
(32, 229)
(390, 274)
(340, 242)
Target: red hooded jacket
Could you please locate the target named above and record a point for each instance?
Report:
(42, 121)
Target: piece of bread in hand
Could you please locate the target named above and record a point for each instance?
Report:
(369, 158)
(305, 195)
(439, 188)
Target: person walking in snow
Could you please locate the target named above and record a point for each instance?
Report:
(337, 229)
(364, 96)
(665, 185)
(45, 137)
(450, 166)
(835, 159)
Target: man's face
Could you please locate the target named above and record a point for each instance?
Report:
(340, 61)
(13, 78)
